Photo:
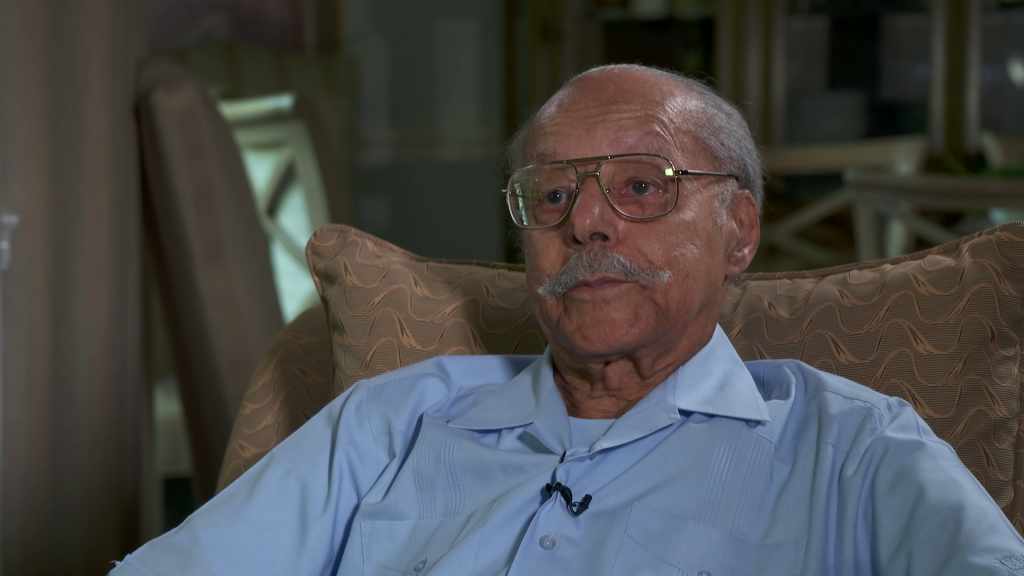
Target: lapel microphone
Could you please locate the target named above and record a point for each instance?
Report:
(574, 508)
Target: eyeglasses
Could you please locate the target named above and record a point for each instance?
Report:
(638, 186)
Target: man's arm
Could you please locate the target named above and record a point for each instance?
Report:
(921, 511)
(289, 514)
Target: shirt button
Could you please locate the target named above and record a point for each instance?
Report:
(419, 566)
(750, 424)
(547, 542)
(703, 573)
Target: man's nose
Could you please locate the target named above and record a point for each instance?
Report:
(592, 218)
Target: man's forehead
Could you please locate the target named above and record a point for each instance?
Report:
(655, 121)
(684, 147)
(648, 142)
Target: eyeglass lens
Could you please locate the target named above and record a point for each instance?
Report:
(638, 186)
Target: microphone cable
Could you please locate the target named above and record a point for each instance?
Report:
(574, 508)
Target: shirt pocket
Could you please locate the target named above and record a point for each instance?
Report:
(421, 547)
(660, 543)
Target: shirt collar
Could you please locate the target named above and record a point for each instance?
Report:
(716, 382)
(713, 382)
(516, 403)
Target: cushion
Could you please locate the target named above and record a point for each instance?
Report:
(292, 382)
(389, 308)
(940, 328)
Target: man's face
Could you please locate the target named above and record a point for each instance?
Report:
(606, 317)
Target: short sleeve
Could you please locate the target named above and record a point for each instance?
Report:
(918, 509)
(289, 514)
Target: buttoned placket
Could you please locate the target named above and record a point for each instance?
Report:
(554, 528)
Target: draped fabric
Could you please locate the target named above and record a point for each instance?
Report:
(74, 399)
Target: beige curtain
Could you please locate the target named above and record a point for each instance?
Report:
(74, 403)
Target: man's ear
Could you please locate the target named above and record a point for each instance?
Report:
(744, 229)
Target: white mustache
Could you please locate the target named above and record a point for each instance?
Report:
(600, 261)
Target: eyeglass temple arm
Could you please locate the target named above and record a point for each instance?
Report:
(702, 173)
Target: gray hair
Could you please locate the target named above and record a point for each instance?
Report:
(719, 123)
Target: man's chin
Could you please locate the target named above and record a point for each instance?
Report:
(601, 333)
(606, 349)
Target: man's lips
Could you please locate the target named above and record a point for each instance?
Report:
(592, 283)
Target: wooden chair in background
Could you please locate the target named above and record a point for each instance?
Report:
(896, 155)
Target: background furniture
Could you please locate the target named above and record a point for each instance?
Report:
(285, 149)
(887, 217)
(210, 257)
(1003, 151)
(942, 328)
(321, 88)
(226, 180)
(902, 155)
(888, 205)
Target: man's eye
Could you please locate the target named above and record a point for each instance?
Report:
(554, 197)
(640, 188)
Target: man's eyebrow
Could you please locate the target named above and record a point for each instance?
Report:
(541, 157)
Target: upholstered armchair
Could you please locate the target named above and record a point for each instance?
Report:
(940, 328)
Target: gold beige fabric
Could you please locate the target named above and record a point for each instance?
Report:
(940, 328)
(292, 383)
(389, 308)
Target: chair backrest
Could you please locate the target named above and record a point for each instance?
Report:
(211, 257)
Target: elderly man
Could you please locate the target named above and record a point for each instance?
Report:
(639, 443)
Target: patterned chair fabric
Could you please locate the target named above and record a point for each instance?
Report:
(940, 328)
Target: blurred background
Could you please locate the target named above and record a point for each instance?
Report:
(163, 163)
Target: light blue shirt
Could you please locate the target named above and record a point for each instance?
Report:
(768, 468)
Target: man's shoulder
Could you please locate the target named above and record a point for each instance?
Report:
(443, 386)
(775, 377)
(468, 369)
(802, 397)
(457, 374)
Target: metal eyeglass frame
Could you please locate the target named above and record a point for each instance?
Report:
(604, 189)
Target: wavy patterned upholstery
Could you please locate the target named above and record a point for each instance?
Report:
(940, 328)
(292, 382)
(390, 308)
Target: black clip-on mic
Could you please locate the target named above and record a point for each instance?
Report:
(575, 508)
